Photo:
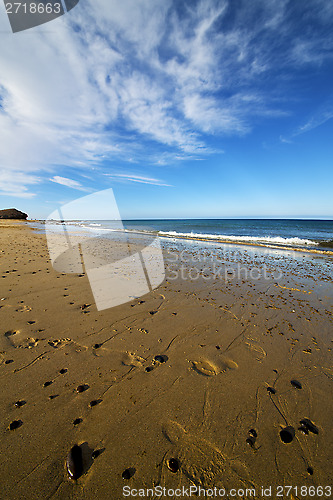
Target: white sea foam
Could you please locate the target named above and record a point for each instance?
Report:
(275, 240)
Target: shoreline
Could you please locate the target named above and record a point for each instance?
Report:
(323, 252)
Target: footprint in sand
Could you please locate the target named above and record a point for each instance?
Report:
(23, 309)
(7, 339)
(29, 343)
(208, 368)
(201, 461)
(59, 343)
(132, 359)
(257, 350)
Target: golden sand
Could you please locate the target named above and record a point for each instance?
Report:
(200, 393)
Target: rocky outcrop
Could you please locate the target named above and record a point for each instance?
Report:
(12, 213)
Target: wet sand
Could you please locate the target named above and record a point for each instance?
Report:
(204, 382)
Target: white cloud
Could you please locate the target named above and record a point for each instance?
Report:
(67, 182)
(16, 183)
(110, 76)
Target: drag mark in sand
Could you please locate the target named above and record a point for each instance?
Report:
(31, 363)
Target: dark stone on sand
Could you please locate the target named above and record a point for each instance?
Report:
(19, 403)
(161, 358)
(97, 346)
(309, 470)
(62, 371)
(152, 312)
(309, 426)
(10, 333)
(173, 465)
(8, 361)
(49, 382)
(287, 434)
(271, 390)
(77, 421)
(251, 441)
(31, 322)
(96, 453)
(296, 384)
(12, 213)
(74, 462)
(128, 473)
(82, 388)
(15, 424)
(253, 437)
(149, 368)
(94, 402)
(53, 396)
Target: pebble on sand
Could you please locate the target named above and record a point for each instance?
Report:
(74, 462)
(173, 465)
(15, 424)
(128, 473)
(287, 434)
(19, 403)
(82, 388)
(296, 384)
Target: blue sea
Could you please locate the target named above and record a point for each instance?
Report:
(291, 233)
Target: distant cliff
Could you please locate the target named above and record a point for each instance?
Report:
(12, 213)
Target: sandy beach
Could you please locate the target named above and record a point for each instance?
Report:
(203, 382)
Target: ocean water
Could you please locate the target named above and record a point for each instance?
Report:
(293, 233)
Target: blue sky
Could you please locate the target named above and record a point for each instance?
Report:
(185, 108)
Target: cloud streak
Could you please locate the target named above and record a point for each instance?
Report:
(137, 178)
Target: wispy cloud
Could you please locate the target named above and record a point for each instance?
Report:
(319, 118)
(137, 178)
(68, 182)
(315, 121)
